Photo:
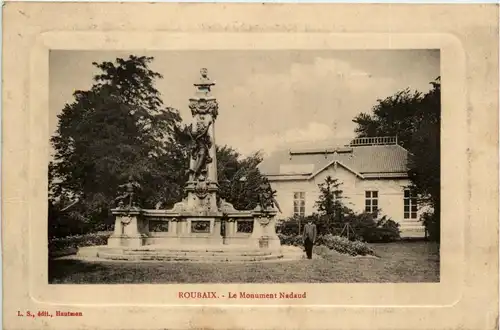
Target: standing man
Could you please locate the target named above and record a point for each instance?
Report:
(309, 236)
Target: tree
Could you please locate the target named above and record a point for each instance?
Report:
(329, 203)
(329, 200)
(425, 159)
(415, 119)
(170, 174)
(116, 129)
(397, 115)
(239, 177)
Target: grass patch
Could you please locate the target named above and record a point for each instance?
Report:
(397, 262)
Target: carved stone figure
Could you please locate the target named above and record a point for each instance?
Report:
(128, 194)
(180, 207)
(201, 144)
(226, 207)
(158, 205)
(267, 198)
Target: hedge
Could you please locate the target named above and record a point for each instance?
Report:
(75, 241)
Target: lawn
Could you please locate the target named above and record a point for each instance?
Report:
(397, 262)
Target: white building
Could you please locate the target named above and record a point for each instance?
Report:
(373, 173)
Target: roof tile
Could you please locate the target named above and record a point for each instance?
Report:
(363, 159)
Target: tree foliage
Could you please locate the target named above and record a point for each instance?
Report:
(425, 148)
(332, 213)
(329, 202)
(394, 115)
(415, 119)
(239, 177)
(116, 129)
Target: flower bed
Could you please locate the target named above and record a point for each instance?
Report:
(343, 245)
(337, 243)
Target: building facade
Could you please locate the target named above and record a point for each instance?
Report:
(372, 173)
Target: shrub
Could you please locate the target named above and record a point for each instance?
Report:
(337, 243)
(294, 240)
(71, 225)
(368, 228)
(73, 221)
(387, 231)
(362, 227)
(290, 226)
(343, 245)
(57, 244)
(325, 224)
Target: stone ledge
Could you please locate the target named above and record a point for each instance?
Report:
(412, 232)
(105, 253)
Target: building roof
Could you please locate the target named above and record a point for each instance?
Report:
(365, 161)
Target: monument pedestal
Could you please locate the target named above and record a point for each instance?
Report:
(131, 230)
(264, 231)
(189, 230)
(127, 241)
(200, 231)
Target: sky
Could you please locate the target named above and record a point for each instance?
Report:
(268, 99)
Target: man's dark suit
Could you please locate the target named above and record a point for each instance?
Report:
(309, 236)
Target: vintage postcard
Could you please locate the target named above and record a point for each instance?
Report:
(250, 166)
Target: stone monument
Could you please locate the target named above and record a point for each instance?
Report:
(195, 222)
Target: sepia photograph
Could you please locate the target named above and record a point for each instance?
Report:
(244, 166)
(249, 166)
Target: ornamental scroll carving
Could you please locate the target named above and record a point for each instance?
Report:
(204, 107)
(201, 188)
(264, 221)
(125, 220)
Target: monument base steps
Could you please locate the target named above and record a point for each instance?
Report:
(188, 254)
